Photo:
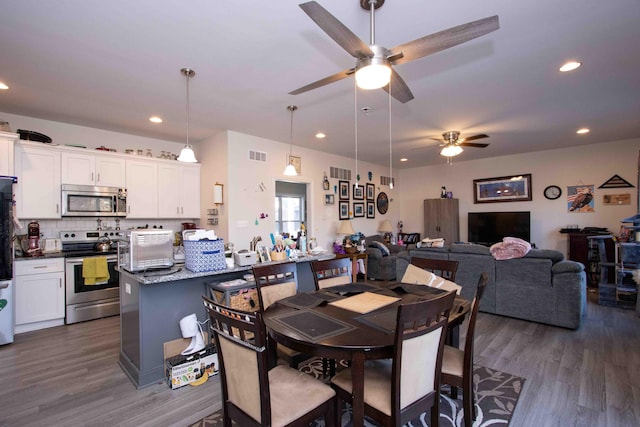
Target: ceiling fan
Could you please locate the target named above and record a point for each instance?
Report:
(374, 63)
(452, 143)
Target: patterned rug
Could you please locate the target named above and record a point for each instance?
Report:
(496, 396)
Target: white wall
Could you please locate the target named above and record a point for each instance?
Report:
(213, 153)
(592, 164)
(247, 200)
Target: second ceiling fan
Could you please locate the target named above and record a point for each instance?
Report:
(374, 63)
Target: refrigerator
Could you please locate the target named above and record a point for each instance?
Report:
(6, 260)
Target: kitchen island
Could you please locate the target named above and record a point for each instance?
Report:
(152, 304)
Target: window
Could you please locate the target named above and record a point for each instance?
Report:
(289, 214)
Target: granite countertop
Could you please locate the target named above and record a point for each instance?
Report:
(43, 256)
(163, 276)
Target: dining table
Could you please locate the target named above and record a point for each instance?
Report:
(353, 322)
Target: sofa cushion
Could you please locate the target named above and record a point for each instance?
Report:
(470, 248)
(553, 255)
(383, 248)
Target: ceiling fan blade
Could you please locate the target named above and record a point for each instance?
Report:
(336, 30)
(399, 89)
(473, 144)
(323, 82)
(474, 137)
(442, 40)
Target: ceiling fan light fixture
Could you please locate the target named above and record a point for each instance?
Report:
(373, 73)
(451, 150)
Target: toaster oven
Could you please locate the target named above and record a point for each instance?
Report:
(146, 250)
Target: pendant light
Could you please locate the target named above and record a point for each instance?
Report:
(187, 155)
(290, 170)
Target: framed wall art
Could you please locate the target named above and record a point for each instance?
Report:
(343, 190)
(580, 198)
(358, 192)
(329, 199)
(371, 192)
(297, 163)
(515, 188)
(343, 210)
(358, 209)
(382, 203)
(371, 209)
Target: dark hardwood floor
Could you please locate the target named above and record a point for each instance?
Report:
(68, 375)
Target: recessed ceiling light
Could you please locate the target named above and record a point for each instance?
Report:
(404, 159)
(3, 86)
(155, 119)
(570, 66)
(582, 131)
(320, 135)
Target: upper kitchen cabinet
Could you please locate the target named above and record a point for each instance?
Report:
(179, 195)
(142, 189)
(6, 152)
(88, 169)
(38, 188)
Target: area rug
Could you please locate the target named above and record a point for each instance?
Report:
(496, 396)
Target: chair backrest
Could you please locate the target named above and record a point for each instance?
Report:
(417, 361)
(275, 282)
(473, 313)
(441, 267)
(331, 272)
(243, 357)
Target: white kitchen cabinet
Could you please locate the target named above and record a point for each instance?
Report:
(38, 187)
(89, 169)
(142, 189)
(39, 293)
(179, 191)
(6, 152)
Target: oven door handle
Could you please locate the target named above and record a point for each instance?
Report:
(78, 261)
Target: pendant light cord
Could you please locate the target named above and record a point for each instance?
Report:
(390, 150)
(188, 102)
(292, 109)
(355, 110)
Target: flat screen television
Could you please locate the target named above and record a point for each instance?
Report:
(487, 228)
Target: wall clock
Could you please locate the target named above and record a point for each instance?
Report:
(382, 203)
(552, 192)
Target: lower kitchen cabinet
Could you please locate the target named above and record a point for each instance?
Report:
(39, 293)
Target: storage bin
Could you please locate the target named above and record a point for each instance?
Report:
(204, 255)
(238, 294)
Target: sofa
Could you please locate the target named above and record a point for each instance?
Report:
(541, 286)
(381, 266)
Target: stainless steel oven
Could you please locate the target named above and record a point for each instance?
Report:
(85, 301)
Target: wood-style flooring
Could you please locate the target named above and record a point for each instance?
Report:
(68, 375)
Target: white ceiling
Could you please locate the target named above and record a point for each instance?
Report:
(112, 64)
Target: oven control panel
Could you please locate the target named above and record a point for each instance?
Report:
(89, 236)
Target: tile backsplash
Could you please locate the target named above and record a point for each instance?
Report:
(52, 227)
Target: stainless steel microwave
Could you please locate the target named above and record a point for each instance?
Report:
(87, 200)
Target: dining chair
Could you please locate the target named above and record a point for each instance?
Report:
(253, 394)
(399, 389)
(328, 273)
(457, 365)
(331, 272)
(275, 282)
(441, 267)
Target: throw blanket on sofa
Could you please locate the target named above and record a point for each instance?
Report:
(509, 248)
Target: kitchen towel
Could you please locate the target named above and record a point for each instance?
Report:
(95, 270)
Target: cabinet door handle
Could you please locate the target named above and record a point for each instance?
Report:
(178, 209)
(92, 176)
(98, 180)
(40, 266)
(182, 209)
(60, 283)
(57, 208)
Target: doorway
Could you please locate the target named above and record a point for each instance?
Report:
(290, 207)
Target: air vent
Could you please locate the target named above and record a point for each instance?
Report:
(339, 173)
(258, 156)
(385, 180)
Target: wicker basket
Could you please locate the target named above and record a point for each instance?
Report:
(243, 299)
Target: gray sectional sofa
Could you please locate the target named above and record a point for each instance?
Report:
(541, 287)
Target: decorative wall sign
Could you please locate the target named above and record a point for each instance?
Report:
(343, 190)
(382, 203)
(515, 188)
(616, 182)
(358, 209)
(371, 192)
(616, 199)
(580, 198)
(343, 210)
(325, 182)
(371, 210)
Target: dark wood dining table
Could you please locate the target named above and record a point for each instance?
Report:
(325, 330)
